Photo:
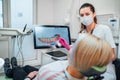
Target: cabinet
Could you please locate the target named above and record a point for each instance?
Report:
(51, 56)
(4, 49)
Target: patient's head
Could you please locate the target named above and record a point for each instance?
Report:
(89, 51)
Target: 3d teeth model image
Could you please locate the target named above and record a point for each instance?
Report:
(51, 39)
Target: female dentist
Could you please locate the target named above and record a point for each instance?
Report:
(89, 25)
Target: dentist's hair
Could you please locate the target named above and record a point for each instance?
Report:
(89, 51)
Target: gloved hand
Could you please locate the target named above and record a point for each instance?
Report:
(64, 43)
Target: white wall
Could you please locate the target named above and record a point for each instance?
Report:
(103, 6)
(44, 11)
(60, 11)
(117, 8)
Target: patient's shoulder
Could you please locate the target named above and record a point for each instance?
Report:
(56, 66)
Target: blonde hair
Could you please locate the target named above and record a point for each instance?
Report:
(90, 51)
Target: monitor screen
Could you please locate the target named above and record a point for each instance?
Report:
(46, 35)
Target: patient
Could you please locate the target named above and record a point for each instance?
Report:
(88, 57)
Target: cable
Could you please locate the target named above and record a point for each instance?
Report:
(19, 44)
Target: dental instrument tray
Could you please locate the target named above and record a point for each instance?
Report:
(12, 32)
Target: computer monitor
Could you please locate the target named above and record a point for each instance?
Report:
(45, 35)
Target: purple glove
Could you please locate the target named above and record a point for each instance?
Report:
(64, 43)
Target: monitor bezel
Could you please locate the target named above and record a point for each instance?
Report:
(52, 26)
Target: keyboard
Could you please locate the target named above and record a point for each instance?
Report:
(57, 54)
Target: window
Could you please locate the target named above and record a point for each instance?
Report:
(21, 12)
(16, 13)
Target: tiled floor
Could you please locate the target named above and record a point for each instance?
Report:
(4, 78)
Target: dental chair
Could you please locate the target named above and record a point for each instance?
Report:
(1, 63)
(94, 73)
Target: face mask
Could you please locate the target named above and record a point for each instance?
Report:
(86, 20)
